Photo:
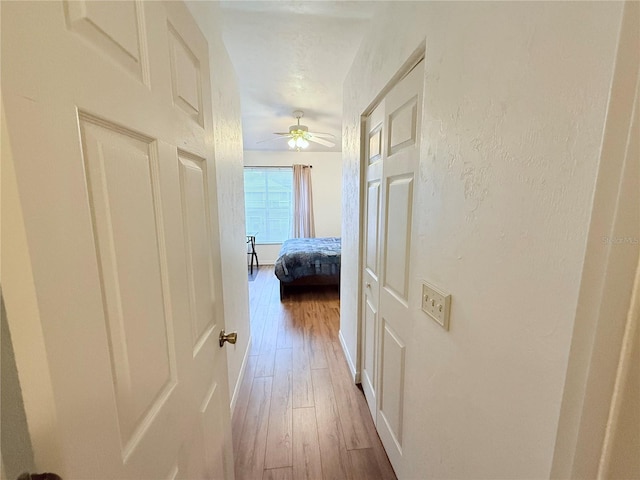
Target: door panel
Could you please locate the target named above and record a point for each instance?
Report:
(373, 210)
(123, 199)
(369, 346)
(185, 76)
(375, 141)
(193, 193)
(392, 153)
(116, 185)
(402, 126)
(392, 388)
(398, 235)
(115, 30)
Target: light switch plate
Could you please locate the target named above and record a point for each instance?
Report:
(436, 304)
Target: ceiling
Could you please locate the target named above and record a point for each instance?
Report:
(292, 55)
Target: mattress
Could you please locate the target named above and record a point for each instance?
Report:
(305, 257)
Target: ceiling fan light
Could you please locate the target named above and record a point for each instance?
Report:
(299, 135)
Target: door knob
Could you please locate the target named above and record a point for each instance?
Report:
(232, 338)
(368, 285)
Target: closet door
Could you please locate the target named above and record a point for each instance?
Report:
(392, 153)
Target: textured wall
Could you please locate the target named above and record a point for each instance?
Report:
(325, 181)
(514, 106)
(227, 139)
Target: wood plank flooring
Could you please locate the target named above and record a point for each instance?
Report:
(298, 414)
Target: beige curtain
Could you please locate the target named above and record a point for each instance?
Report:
(303, 224)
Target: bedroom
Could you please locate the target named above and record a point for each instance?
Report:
(526, 123)
(327, 193)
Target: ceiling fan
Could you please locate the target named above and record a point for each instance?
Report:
(299, 135)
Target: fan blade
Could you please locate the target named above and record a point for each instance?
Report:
(287, 134)
(270, 139)
(326, 143)
(322, 135)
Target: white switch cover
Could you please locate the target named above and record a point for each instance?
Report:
(436, 304)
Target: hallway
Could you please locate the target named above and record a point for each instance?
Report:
(298, 414)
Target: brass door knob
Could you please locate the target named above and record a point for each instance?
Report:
(232, 338)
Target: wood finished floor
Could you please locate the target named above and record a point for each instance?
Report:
(298, 413)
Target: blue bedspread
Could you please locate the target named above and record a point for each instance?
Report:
(303, 257)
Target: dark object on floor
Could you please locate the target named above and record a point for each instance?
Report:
(39, 476)
(251, 251)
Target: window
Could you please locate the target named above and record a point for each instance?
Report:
(268, 203)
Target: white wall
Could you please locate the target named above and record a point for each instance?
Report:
(325, 181)
(227, 138)
(515, 97)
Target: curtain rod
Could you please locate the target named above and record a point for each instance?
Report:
(275, 166)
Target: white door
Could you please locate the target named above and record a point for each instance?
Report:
(389, 190)
(108, 114)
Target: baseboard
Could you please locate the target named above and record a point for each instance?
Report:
(352, 368)
(243, 369)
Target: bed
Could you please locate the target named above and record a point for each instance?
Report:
(308, 261)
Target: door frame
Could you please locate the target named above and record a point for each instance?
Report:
(597, 341)
(27, 342)
(408, 65)
(631, 341)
